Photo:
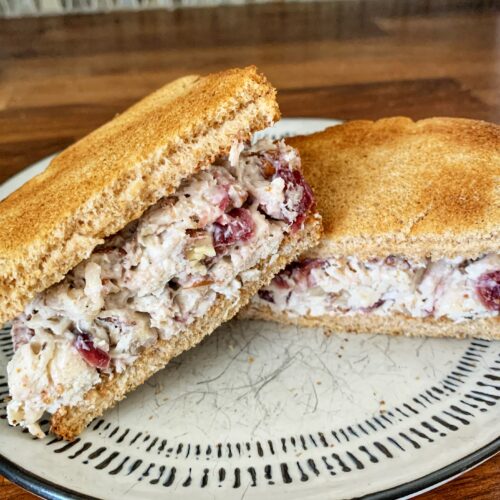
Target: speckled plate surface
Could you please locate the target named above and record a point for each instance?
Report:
(260, 409)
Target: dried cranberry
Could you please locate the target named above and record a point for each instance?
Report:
(488, 289)
(293, 181)
(237, 225)
(280, 281)
(225, 201)
(266, 295)
(301, 271)
(90, 353)
(308, 264)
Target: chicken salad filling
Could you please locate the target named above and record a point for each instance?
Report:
(457, 289)
(154, 278)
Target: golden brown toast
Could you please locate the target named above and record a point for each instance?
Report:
(110, 177)
(396, 324)
(395, 186)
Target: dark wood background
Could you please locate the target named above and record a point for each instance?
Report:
(62, 77)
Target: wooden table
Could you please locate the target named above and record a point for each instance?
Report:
(62, 77)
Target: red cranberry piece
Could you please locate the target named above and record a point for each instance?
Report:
(225, 202)
(488, 289)
(90, 353)
(300, 271)
(223, 199)
(280, 280)
(307, 266)
(293, 181)
(237, 225)
(266, 295)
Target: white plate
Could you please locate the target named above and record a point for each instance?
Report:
(260, 410)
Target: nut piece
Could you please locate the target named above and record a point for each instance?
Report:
(200, 248)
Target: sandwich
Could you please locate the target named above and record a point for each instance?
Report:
(411, 216)
(141, 239)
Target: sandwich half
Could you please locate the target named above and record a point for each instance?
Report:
(411, 215)
(141, 239)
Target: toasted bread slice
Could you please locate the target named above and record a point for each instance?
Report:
(397, 324)
(47, 226)
(420, 189)
(68, 422)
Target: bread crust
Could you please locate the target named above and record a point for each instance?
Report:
(69, 421)
(395, 324)
(394, 186)
(110, 177)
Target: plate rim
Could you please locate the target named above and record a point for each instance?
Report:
(47, 489)
(52, 491)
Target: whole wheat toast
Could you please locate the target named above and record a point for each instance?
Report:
(110, 177)
(396, 324)
(395, 186)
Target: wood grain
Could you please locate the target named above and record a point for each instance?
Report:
(61, 77)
